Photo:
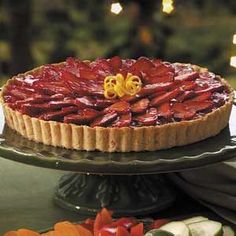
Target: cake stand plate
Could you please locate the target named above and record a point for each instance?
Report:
(119, 181)
(219, 148)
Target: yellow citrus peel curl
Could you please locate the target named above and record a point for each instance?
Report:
(118, 86)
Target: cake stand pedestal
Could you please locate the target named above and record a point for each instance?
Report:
(128, 183)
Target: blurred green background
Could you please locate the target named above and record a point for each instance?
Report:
(45, 31)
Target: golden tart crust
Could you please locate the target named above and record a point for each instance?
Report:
(123, 139)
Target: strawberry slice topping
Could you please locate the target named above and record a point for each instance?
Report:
(85, 102)
(202, 97)
(84, 116)
(116, 64)
(198, 105)
(88, 74)
(58, 115)
(165, 97)
(168, 77)
(123, 121)
(188, 85)
(153, 88)
(217, 87)
(140, 106)
(164, 110)
(189, 76)
(105, 119)
(120, 107)
(73, 92)
(185, 95)
(142, 64)
(149, 118)
(182, 112)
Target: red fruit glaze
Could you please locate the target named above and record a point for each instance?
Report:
(140, 106)
(72, 92)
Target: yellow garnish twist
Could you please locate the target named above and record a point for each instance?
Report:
(118, 86)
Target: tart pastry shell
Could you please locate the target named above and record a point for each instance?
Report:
(125, 139)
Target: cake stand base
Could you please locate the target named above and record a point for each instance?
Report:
(125, 195)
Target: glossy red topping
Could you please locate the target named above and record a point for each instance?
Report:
(72, 92)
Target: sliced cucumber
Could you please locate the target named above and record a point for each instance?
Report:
(195, 220)
(158, 232)
(177, 228)
(228, 231)
(206, 228)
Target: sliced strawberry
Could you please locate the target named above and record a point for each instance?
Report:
(101, 67)
(116, 63)
(129, 98)
(123, 121)
(58, 115)
(124, 72)
(165, 97)
(121, 107)
(185, 95)
(57, 96)
(148, 118)
(198, 105)
(84, 116)
(142, 64)
(202, 97)
(60, 104)
(82, 86)
(76, 63)
(152, 88)
(34, 109)
(188, 76)
(51, 89)
(105, 119)
(88, 74)
(151, 96)
(137, 230)
(168, 77)
(217, 87)
(85, 87)
(102, 103)
(140, 106)
(18, 94)
(188, 85)
(164, 110)
(38, 98)
(157, 62)
(163, 69)
(181, 111)
(85, 101)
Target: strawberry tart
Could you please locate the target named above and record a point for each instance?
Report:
(117, 105)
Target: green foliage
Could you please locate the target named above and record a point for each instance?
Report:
(197, 31)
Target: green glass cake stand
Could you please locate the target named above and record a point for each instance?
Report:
(128, 183)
